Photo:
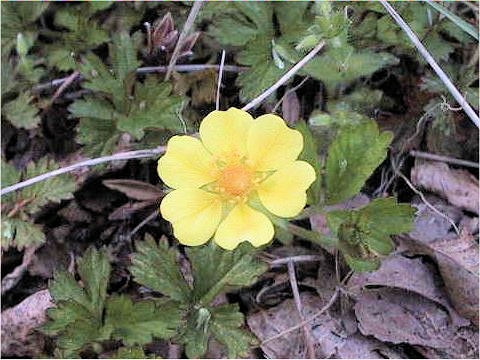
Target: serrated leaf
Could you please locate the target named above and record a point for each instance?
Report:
(215, 270)
(138, 323)
(123, 56)
(195, 339)
(9, 174)
(226, 325)
(154, 108)
(336, 66)
(155, 266)
(352, 157)
(364, 233)
(92, 107)
(54, 189)
(135, 352)
(21, 113)
(19, 233)
(77, 319)
(99, 136)
(309, 154)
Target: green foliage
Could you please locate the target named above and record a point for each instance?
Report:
(79, 33)
(86, 315)
(155, 266)
(138, 323)
(214, 271)
(121, 104)
(21, 113)
(354, 154)
(135, 352)
(17, 227)
(364, 234)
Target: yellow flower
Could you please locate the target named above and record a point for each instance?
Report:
(238, 159)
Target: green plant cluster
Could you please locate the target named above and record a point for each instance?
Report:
(87, 316)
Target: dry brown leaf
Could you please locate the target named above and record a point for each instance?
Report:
(459, 187)
(291, 107)
(18, 322)
(134, 189)
(407, 274)
(398, 316)
(127, 210)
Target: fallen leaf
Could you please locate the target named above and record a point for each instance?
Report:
(19, 321)
(127, 210)
(134, 189)
(291, 107)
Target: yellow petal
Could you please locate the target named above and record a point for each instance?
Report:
(225, 132)
(244, 224)
(284, 193)
(271, 144)
(186, 163)
(194, 214)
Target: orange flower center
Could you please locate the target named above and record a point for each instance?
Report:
(236, 180)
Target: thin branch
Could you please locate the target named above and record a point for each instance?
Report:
(441, 74)
(289, 91)
(285, 77)
(186, 29)
(145, 221)
(138, 154)
(219, 85)
(447, 159)
(69, 79)
(299, 258)
(148, 70)
(298, 304)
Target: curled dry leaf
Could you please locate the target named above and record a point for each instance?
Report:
(18, 340)
(396, 316)
(134, 189)
(291, 107)
(407, 274)
(459, 187)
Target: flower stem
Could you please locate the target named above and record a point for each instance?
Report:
(315, 237)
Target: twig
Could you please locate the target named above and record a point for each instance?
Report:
(320, 312)
(441, 74)
(298, 304)
(138, 154)
(285, 77)
(447, 159)
(12, 279)
(294, 259)
(186, 29)
(220, 75)
(143, 223)
(65, 84)
(288, 92)
(147, 70)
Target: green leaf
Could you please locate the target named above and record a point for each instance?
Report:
(195, 335)
(215, 270)
(364, 233)
(226, 325)
(123, 56)
(99, 136)
(337, 66)
(77, 318)
(94, 269)
(138, 323)
(92, 107)
(309, 154)
(352, 157)
(21, 113)
(9, 174)
(462, 24)
(19, 233)
(155, 266)
(54, 189)
(135, 352)
(154, 108)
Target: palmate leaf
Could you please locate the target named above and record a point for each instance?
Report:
(215, 270)
(364, 233)
(77, 319)
(155, 266)
(138, 323)
(54, 189)
(21, 113)
(352, 157)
